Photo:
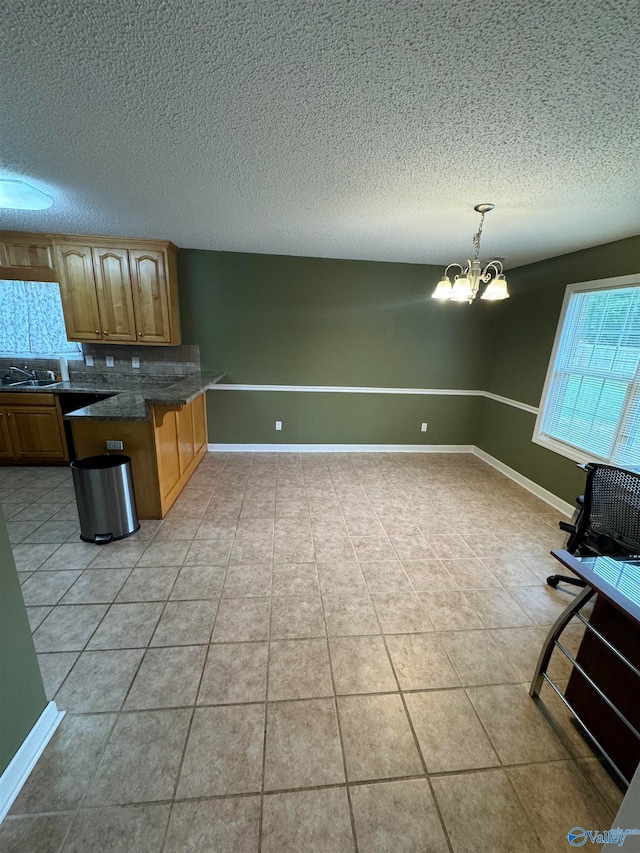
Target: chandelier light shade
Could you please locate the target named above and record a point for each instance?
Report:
(466, 285)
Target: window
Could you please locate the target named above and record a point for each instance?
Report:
(31, 321)
(590, 408)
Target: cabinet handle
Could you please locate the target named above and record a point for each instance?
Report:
(97, 331)
(8, 414)
(139, 334)
(104, 332)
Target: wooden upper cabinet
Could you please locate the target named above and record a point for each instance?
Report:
(78, 292)
(115, 300)
(26, 257)
(119, 290)
(150, 296)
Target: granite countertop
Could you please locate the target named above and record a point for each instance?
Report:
(130, 397)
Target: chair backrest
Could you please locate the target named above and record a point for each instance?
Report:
(610, 521)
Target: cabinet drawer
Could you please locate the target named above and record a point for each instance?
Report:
(25, 399)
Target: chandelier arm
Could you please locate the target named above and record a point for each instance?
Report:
(453, 265)
(492, 265)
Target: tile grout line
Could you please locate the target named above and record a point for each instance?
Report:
(195, 702)
(419, 750)
(415, 737)
(119, 712)
(339, 724)
(356, 783)
(402, 697)
(266, 695)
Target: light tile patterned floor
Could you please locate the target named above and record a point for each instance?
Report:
(325, 652)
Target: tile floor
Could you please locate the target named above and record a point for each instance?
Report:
(325, 652)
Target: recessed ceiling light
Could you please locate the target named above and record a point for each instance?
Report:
(22, 196)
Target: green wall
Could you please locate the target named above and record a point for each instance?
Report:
(520, 339)
(278, 320)
(22, 697)
(315, 321)
(319, 418)
(518, 348)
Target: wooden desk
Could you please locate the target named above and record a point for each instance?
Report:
(604, 687)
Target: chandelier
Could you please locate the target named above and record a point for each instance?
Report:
(467, 283)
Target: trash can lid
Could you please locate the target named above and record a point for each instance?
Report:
(103, 461)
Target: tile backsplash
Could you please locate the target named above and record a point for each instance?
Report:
(165, 361)
(154, 361)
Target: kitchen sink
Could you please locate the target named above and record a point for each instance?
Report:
(34, 383)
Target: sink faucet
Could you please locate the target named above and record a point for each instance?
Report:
(30, 373)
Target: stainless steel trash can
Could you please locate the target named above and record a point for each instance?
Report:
(104, 494)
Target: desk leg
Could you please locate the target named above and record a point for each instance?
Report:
(549, 644)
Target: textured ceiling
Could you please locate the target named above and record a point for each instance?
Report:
(334, 128)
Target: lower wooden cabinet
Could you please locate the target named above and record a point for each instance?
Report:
(31, 429)
(164, 451)
(180, 436)
(6, 451)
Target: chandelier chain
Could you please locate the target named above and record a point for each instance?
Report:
(476, 238)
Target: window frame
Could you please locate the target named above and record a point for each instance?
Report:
(570, 451)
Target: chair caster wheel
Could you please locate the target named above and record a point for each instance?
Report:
(553, 581)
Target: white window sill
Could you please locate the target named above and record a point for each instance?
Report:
(576, 454)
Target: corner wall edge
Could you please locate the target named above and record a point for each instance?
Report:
(18, 770)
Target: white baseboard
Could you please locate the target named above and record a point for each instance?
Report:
(25, 759)
(526, 483)
(340, 448)
(535, 489)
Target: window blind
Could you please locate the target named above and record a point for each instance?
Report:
(593, 402)
(31, 320)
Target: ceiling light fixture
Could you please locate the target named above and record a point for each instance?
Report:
(20, 195)
(466, 284)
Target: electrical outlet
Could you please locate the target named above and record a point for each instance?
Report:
(278, 425)
(88, 360)
(135, 361)
(109, 361)
(423, 428)
(115, 445)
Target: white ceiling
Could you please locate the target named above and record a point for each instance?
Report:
(332, 128)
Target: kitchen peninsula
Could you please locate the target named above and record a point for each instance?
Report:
(161, 422)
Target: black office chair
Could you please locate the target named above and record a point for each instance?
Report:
(607, 521)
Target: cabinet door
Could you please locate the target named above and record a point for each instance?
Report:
(199, 411)
(35, 432)
(166, 434)
(78, 292)
(115, 301)
(6, 452)
(186, 450)
(150, 296)
(28, 257)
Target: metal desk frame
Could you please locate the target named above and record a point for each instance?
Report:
(552, 642)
